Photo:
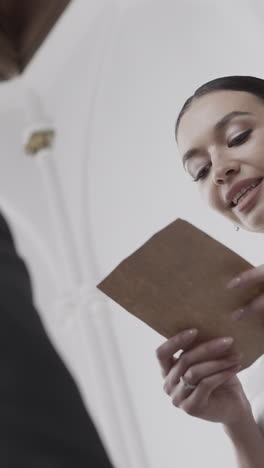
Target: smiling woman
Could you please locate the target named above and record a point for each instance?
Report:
(220, 135)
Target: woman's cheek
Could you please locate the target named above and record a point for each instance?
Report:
(208, 196)
(213, 201)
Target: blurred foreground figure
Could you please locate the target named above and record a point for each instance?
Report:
(43, 421)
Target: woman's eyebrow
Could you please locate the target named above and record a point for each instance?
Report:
(219, 126)
(226, 119)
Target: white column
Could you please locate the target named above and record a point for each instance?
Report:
(80, 298)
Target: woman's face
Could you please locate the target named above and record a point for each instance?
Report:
(226, 154)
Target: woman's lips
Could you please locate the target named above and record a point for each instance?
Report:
(250, 199)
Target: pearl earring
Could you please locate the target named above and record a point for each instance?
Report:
(236, 228)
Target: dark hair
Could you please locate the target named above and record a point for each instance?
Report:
(249, 84)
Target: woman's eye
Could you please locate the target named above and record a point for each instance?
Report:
(235, 142)
(239, 139)
(202, 173)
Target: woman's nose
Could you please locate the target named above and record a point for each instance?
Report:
(224, 171)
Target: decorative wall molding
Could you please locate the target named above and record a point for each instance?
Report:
(80, 302)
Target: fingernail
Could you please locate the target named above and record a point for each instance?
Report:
(236, 357)
(237, 368)
(237, 314)
(227, 341)
(188, 334)
(233, 283)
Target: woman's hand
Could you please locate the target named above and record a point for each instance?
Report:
(219, 395)
(249, 278)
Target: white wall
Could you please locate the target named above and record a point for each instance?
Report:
(113, 76)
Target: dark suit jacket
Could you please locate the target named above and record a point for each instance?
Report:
(43, 421)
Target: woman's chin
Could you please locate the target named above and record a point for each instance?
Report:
(252, 221)
(257, 229)
(256, 225)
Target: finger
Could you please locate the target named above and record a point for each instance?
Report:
(203, 352)
(166, 351)
(198, 399)
(248, 278)
(254, 306)
(197, 372)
